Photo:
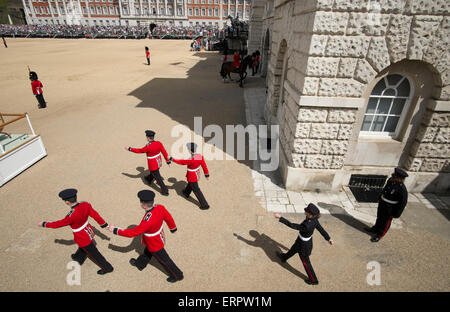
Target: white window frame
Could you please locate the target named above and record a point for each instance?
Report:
(395, 134)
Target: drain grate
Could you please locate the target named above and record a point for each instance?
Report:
(366, 188)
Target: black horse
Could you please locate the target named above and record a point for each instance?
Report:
(228, 68)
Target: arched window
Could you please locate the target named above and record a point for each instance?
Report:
(387, 106)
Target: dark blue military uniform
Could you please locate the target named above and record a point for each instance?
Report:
(392, 202)
(303, 244)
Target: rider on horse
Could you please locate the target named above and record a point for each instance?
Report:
(236, 60)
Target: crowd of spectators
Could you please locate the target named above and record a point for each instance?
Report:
(110, 31)
(186, 32)
(74, 31)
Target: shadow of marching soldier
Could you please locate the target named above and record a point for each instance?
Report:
(179, 187)
(270, 247)
(138, 247)
(142, 174)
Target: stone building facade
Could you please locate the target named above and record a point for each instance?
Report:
(135, 12)
(357, 87)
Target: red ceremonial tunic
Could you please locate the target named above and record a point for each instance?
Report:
(147, 54)
(236, 58)
(153, 150)
(193, 167)
(256, 61)
(36, 86)
(151, 227)
(77, 218)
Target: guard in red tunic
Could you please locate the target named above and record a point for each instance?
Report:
(153, 237)
(36, 87)
(147, 55)
(193, 174)
(83, 233)
(153, 149)
(255, 64)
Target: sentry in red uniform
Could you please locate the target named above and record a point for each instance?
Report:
(152, 230)
(147, 55)
(36, 87)
(193, 174)
(153, 149)
(78, 220)
(193, 167)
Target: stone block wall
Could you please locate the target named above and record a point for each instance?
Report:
(430, 151)
(256, 25)
(335, 49)
(316, 138)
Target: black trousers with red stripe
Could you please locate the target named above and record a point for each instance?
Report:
(304, 251)
(193, 187)
(155, 175)
(384, 219)
(92, 252)
(163, 258)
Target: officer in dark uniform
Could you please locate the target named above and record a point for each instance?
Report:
(303, 245)
(391, 204)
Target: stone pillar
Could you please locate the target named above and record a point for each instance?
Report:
(65, 10)
(131, 8)
(120, 8)
(27, 12)
(50, 9)
(255, 31)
